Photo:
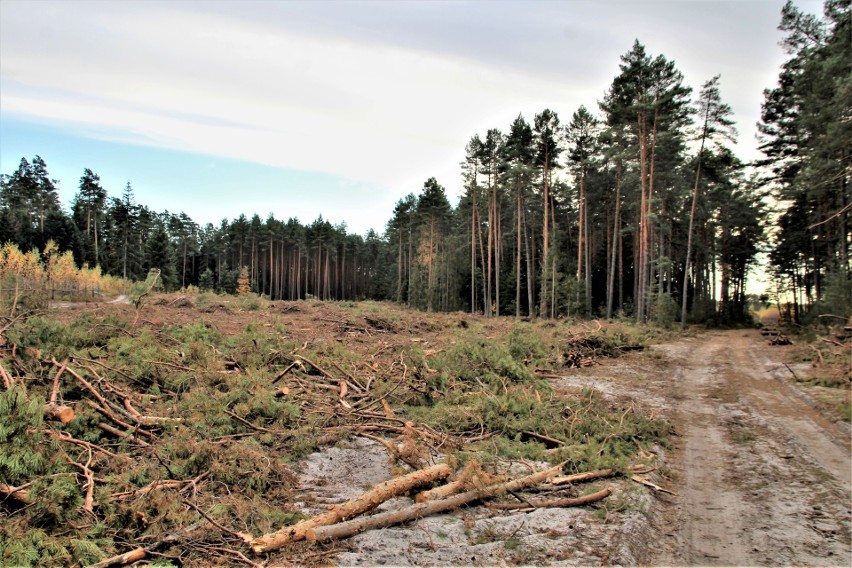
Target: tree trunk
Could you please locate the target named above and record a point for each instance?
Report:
(545, 243)
(616, 239)
(518, 251)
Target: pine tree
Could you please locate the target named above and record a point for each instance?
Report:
(715, 122)
(547, 159)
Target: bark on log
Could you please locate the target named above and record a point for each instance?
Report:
(567, 502)
(418, 510)
(364, 502)
(58, 413)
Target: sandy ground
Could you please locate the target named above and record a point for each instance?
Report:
(763, 478)
(760, 477)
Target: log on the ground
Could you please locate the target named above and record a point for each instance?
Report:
(419, 510)
(364, 502)
(58, 413)
(566, 502)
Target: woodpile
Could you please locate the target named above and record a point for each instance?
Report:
(775, 336)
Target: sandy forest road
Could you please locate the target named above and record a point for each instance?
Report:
(763, 478)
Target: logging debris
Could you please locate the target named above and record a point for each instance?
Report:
(140, 423)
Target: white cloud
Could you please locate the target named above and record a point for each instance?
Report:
(239, 88)
(382, 93)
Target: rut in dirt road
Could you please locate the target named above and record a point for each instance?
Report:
(765, 479)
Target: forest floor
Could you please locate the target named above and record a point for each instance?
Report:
(753, 465)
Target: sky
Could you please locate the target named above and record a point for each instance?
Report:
(340, 109)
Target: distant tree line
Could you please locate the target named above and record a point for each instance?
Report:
(639, 209)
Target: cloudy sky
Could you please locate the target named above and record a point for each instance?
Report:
(334, 108)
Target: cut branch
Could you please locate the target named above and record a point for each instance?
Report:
(141, 553)
(135, 430)
(7, 380)
(597, 474)
(451, 488)
(121, 434)
(567, 502)
(652, 485)
(66, 438)
(54, 393)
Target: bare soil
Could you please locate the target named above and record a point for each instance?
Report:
(762, 477)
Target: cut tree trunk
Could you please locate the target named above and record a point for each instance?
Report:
(58, 413)
(364, 502)
(419, 510)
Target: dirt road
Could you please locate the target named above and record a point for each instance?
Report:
(763, 478)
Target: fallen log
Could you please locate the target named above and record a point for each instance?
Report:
(58, 413)
(419, 510)
(364, 502)
(567, 502)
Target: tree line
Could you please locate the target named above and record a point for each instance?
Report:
(639, 208)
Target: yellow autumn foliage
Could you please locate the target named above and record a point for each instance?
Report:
(35, 278)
